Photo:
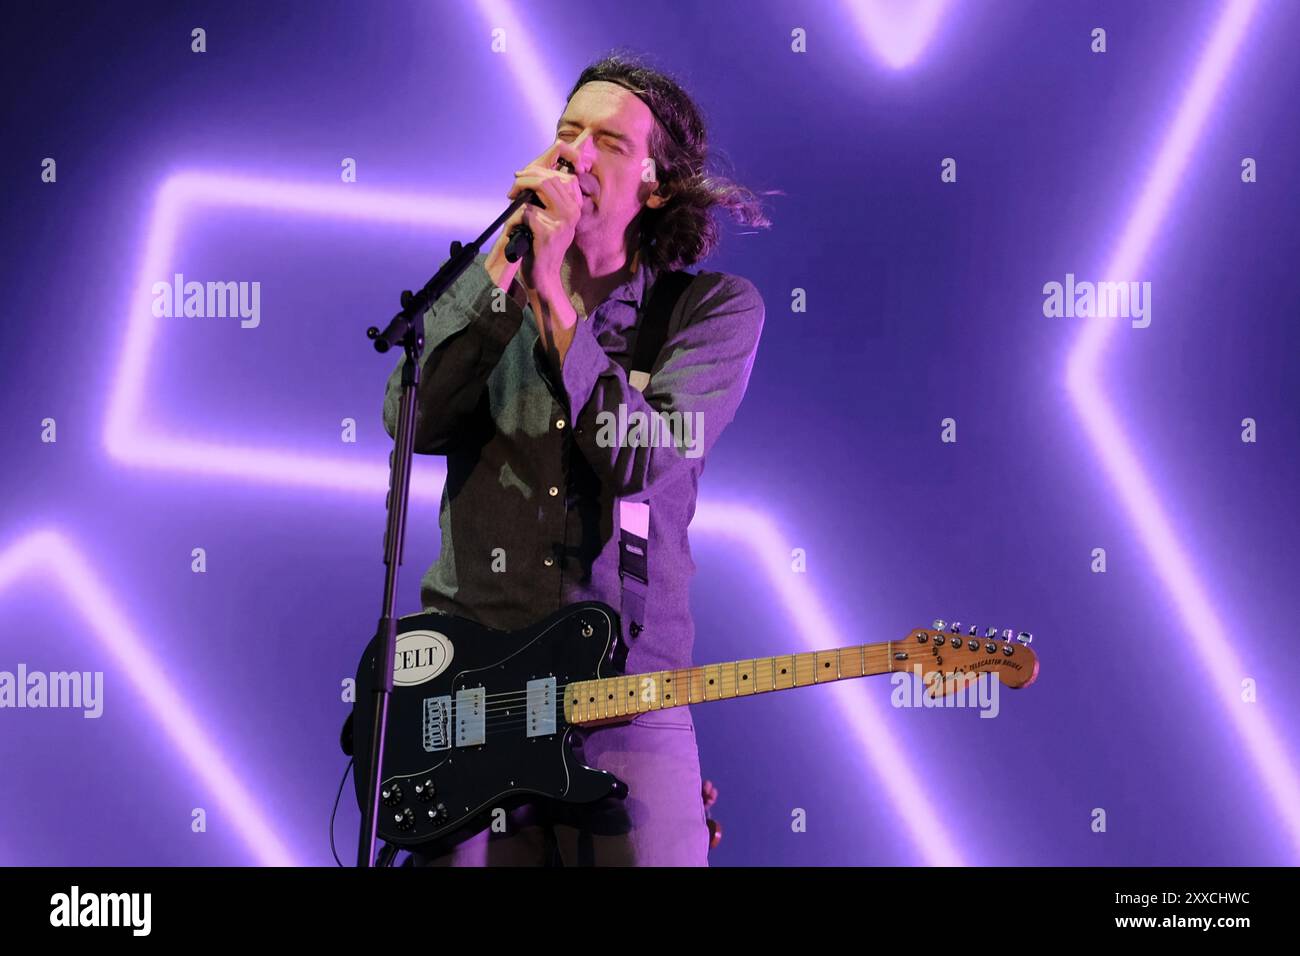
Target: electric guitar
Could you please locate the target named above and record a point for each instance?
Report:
(481, 718)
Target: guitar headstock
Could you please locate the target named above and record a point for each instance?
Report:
(945, 648)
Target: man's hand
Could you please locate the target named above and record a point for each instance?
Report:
(553, 229)
(552, 226)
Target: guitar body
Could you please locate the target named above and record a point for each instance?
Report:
(476, 720)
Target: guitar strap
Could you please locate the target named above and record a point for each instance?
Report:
(634, 516)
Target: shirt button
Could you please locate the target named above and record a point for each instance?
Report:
(559, 423)
(548, 562)
(554, 491)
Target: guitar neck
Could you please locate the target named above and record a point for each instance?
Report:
(615, 699)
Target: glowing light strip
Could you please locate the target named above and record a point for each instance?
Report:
(898, 32)
(545, 101)
(129, 441)
(759, 538)
(1118, 453)
(48, 552)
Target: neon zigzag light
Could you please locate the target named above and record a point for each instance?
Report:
(50, 553)
(1117, 452)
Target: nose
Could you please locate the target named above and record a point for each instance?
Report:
(585, 147)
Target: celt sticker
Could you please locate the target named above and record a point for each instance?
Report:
(421, 656)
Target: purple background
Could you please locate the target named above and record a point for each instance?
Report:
(924, 301)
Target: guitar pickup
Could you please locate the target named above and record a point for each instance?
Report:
(471, 717)
(541, 707)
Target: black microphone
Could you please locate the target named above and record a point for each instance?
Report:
(521, 237)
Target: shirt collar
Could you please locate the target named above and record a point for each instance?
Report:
(634, 291)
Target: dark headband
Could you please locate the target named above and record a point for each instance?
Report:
(641, 95)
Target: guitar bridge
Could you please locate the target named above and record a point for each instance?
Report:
(437, 723)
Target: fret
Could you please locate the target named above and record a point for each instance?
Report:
(744, 678)
(649, 695)
(711, 682)
(762, 675)
(822, 667)
(783, 673)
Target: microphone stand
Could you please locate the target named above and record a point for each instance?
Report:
(407, 330)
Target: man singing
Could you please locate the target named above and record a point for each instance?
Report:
(526, 364)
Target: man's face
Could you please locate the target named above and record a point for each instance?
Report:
(610, 129)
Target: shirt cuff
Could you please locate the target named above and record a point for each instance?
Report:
(472, 297)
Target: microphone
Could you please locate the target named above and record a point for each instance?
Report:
(521, 237)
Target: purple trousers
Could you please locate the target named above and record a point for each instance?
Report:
(661, 822)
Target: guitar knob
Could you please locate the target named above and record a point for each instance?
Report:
(405, 820)
(392, 795)
(425, 791)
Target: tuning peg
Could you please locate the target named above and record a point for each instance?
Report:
(1009, 634)
(1024, 637)
(956, 627)
(939, 624)
(991, 632)
(974, 630)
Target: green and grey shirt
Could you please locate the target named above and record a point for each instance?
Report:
(537, 464)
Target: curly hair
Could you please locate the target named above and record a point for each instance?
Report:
(683, 230)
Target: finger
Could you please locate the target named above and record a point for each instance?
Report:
(530, 177)
(559, 196)
(567, 152)
(548, 157)
(545, 183)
